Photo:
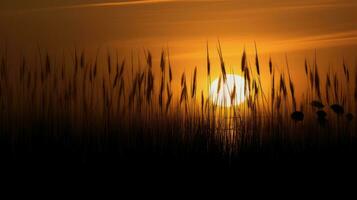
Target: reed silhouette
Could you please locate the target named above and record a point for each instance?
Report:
(86, 112)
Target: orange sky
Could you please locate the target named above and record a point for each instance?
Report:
(278, 27)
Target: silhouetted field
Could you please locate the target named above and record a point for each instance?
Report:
(126, 115)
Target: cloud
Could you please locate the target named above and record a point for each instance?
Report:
(314, 6)
(323, 40)
(263, 7)
(114, 4)
(90, 5)
(102, 5)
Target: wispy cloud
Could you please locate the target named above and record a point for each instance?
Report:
(323, 40)
(315, 6)
(108, 4)
(114, 4)
(263, 7)
(91, 5)
(140, 2)
(296, 7)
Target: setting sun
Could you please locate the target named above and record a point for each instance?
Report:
(228, 93)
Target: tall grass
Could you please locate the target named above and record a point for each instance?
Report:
(86, 108)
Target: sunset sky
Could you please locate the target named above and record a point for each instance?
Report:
(302, 24)
(278, 27)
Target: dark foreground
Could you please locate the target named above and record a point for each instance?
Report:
(112, 150)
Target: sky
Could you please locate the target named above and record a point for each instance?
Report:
(279, 27)
(303, 24)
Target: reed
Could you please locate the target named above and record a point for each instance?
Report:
(100, 107)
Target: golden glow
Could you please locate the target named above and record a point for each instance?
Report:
(227, 93)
